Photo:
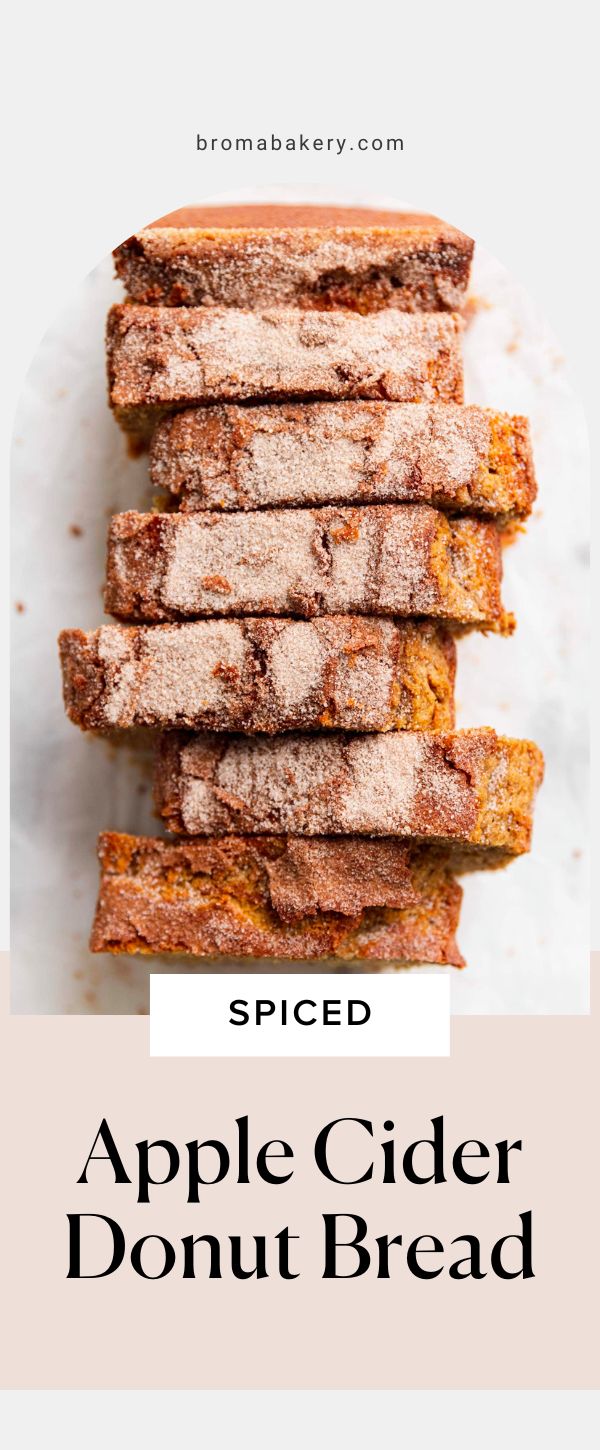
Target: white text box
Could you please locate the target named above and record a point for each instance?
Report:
(308, 1015)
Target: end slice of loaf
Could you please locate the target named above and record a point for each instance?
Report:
(164, 358)
(385, 559)
(460, 459)
(470, 788)
(413, 263)
(276, 898)
(261, 675)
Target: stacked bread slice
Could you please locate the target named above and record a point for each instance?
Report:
(332, 517)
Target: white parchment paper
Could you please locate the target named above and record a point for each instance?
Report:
(524, 930)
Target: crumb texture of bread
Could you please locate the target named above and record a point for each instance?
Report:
(261, 675)
(161, 359)
(404, 560)
(473, 788)
(462, 459)
(272, 897)
(417, 264)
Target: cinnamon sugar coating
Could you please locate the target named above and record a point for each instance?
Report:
(416, 263)
(274, 897)
(473, 788)
(261, 675)
(456, 458)
(404, 560)
(164, 358)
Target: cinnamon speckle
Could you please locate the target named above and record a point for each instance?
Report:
(473, 305)
(216, 583)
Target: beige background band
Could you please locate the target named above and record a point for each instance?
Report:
(518, 1077)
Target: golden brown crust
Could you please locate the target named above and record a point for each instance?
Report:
(385, 559)
(261, 675)
(298, 214)
(161, 359)
(471, 788)
(272, 897)
(461, 459)
(412, 263)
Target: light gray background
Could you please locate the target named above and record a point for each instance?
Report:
(521, 1419)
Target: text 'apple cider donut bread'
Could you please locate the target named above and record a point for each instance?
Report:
(347, 900)
(164, 358)
(358, 260)
(462, 459)
(261, 675)
(404, 560)
(472, 788)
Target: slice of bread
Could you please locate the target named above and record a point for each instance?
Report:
(462, 459)
(384, 559)
(410, 262)
(472, 788)
(164, 358)
(261, 675)
(366, 901)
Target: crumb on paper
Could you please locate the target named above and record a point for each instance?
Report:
(76, 531)
(515, 341)
(577, 853)
(20, 606)
(511, 533)
(121, 968)
(473, 305)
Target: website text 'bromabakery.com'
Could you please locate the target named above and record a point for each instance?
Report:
(335, 145)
